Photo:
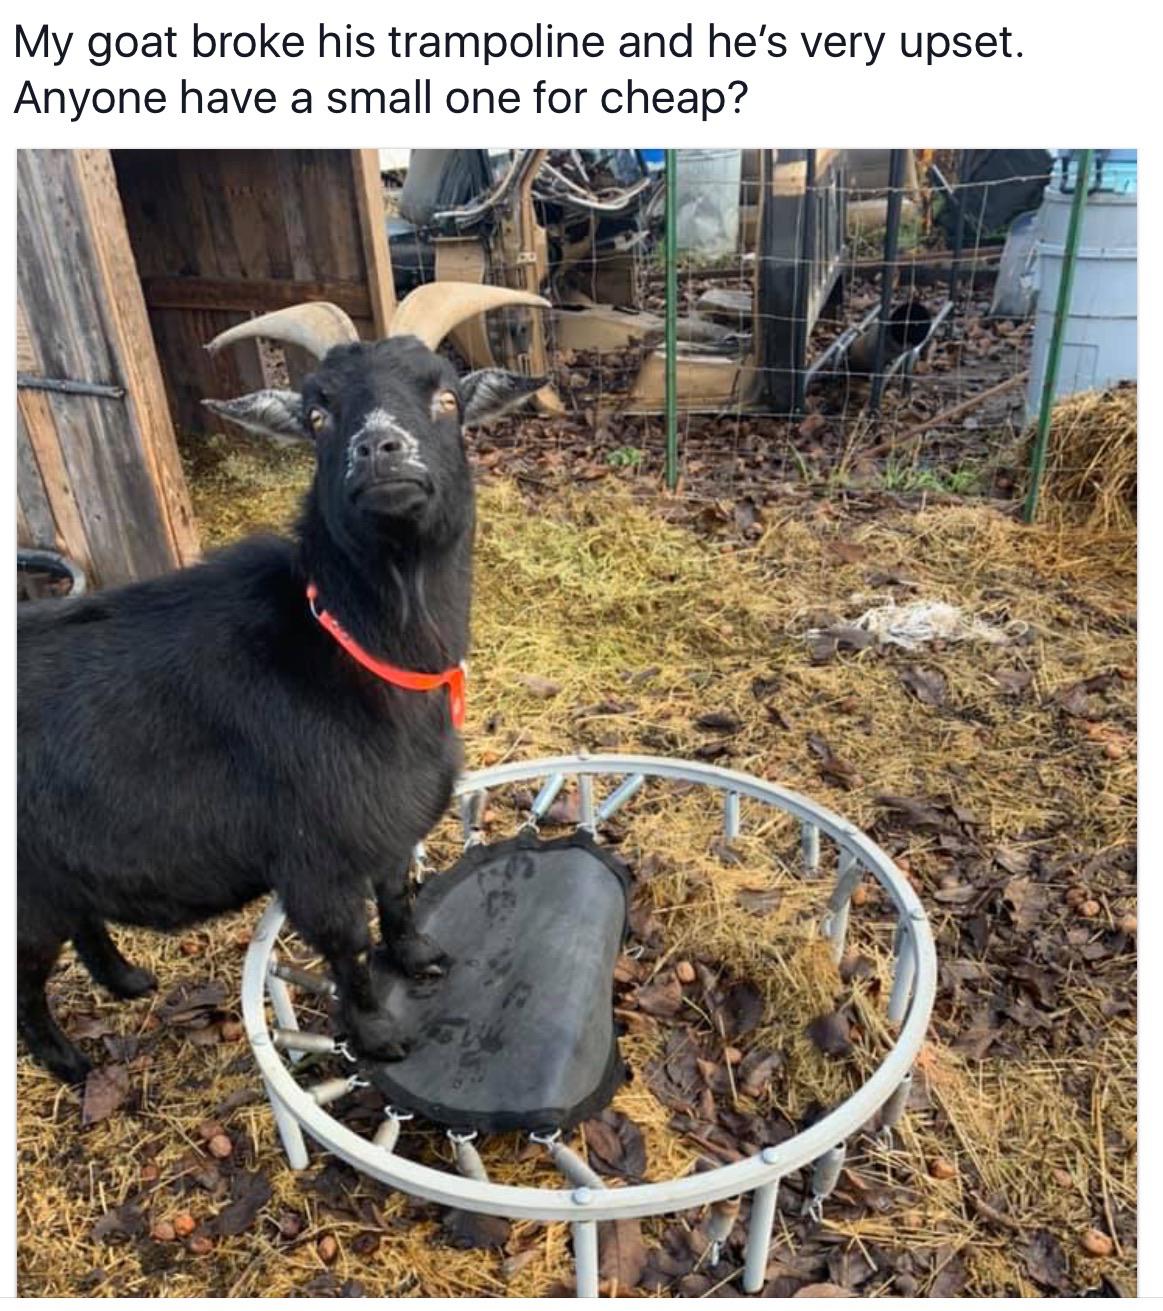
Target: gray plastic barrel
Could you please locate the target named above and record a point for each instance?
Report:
(1100, 344)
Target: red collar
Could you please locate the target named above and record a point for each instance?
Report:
(453, 679)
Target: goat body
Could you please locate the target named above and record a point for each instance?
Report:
(189, 743)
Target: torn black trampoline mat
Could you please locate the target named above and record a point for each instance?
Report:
(519, 1033)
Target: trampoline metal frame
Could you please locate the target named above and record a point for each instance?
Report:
(821, 1145)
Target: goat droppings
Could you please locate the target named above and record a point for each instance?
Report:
(1095, 1243)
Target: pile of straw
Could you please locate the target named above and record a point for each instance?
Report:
(1091, 476)
(643, 627)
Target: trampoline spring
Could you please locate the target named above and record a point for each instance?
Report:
(720, 1222)
(810, 849)
(894, 1108)
(825, 1175)
(571, 1165)
(620, 795)
(420, 866)
(296, 1040)
(331, 1090)
(544, 799)
(388, 1134)
(308, 980)
(731, 816)
(585, 788)
(472, 812)
(468, 1159)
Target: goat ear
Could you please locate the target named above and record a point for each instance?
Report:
(489, 393)
(271, 413)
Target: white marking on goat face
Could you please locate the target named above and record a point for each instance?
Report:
(376, 425)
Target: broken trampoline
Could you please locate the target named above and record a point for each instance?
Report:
(520, 1033)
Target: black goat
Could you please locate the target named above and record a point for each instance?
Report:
(189, 743)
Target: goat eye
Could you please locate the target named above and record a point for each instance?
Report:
(444, 402)
(316, 418)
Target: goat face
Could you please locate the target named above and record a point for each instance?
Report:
(386, 419)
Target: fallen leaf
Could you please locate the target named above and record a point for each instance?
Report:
(833, 767)
(615, 1145)
(1026, 899)
(622, 1253)
(662, 999)
(759, 901)
(831, 1034)
(192, 1003)
(845, 552)
(756, 1071)
(470, 1229)
(823, 1290)
(741, 1009)
(1013, 681)
(1046, 1262)
(250, 1191)
(543, 688)
(718, 721)
(927, 685)
(106, 1089)
(125, 1221)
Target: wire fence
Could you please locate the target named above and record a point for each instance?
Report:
(835, 326)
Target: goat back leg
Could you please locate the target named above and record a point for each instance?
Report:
(107, 965)
(42, 1035)
(414, 953)
(333, 920)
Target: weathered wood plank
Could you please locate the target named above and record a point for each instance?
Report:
(373, 230)
(127, 327)
(35, 525)
(252, 295)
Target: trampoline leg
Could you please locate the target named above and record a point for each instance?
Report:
(731, 816)
(289, 1132)
(836, 916)
(810, 849)
(905, 974)
(585, 1257)
(759, 1236)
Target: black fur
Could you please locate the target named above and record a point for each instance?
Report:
(189, 743)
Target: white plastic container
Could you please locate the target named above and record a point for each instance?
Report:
(1100, 343)
(708, 201)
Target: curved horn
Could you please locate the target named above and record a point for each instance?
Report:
(431, 312)
(315, 325)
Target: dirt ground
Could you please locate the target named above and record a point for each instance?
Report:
(999, 770)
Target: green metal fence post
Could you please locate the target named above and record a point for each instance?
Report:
(671, 319)
(1061, 312)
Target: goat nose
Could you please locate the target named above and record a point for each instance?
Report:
(388, 445)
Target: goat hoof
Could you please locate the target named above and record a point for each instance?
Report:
(135, 982)
(374, 1036)
(73, 1068)
(419, 957)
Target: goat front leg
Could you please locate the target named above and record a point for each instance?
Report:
(415, 954)
(333, 919)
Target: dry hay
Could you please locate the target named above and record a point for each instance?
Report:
(599, 626)
(1091, 475)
